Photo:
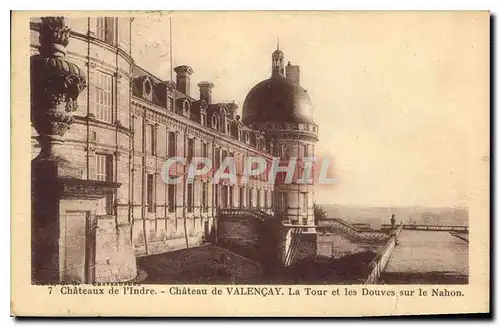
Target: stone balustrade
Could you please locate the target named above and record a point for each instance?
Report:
(380, 261)
(354, 233)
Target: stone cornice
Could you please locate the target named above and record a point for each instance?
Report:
(98, 123)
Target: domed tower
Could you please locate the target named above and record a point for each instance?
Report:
(282, 109)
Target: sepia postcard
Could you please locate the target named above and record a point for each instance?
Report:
(246, 163)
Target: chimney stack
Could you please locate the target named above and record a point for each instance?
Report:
(183, 79)
(206, 91)
(293, 73)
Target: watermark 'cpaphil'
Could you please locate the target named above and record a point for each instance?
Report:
(292, 170)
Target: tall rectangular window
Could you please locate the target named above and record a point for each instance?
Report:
(104, 97)
(258, 199)
(216, 158)
(190, 149)
(101, 28)
(171, 198)
(223, 201)
(216, 195)
(204, 197)
(152, 142)
(250, 198)
(303, 204)
(150, 192)
(282, 201)
(190, 197)
(172, 148)
(204, 150)
(242, 197)
(283, 151)
(151, 139)
(231, 197)
(104, 172)
(106, 29)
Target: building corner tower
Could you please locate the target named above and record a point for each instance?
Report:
(282, 109)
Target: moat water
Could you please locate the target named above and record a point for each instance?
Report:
(428, 256)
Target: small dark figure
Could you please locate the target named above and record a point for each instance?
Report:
(393, 220)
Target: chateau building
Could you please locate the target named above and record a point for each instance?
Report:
(129, 122)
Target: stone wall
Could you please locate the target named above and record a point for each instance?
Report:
(306, 247)
(80, 232)
(250, 237)
(115, 260)
(240, 234)
(337, 245)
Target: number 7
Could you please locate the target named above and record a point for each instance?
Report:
(50, 289)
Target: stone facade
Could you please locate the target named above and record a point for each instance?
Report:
(128, 122)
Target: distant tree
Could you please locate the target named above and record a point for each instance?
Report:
(319, 213)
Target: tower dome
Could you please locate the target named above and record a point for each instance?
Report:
(279, 98)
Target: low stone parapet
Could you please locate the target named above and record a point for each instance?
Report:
(380, 261)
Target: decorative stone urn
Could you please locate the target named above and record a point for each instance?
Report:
(55, 86)
(62, 203)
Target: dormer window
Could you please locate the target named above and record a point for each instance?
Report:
(170, 103)
(214, 123)
(185, 108)
(147, 89)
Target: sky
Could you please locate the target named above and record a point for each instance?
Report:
(401, 99)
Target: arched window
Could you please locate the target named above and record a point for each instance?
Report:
(215, 123)
(147, 89)
(186, 108)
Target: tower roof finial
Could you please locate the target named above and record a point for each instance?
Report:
(278, 43)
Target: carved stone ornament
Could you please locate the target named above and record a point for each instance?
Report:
(55, 83)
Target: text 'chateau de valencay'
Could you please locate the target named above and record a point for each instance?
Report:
(103, 128)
